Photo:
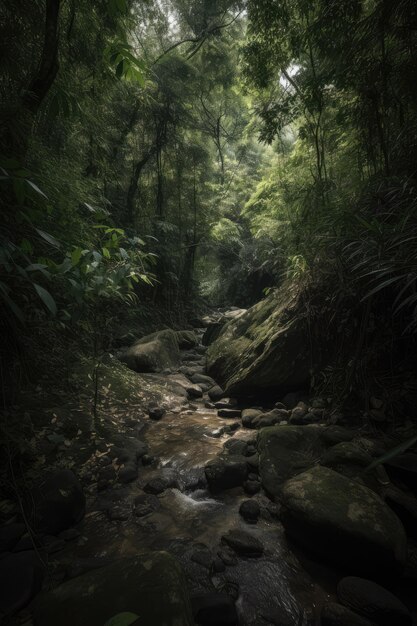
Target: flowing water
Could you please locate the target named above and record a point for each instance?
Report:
(274, 589)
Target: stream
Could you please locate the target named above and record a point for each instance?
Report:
(188, 521)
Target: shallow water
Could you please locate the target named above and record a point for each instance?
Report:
(272, 590)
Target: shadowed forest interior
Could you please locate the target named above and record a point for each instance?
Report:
(208, 294)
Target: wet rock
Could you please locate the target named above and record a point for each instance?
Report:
(285, 451)
(216, 393)
(372, 602)
(248, 416)
(253, 461)
(192, 356)
(225, 474)
(243, 543)
(21, 577)
(236, 446)
(156, 486)
(252, 487)
(229, 413)
(302, 420)
(132, 453)
(57, 503)
(228, 556)
(10, 535)
(194, 391)
(214, 609)
(267, 419)
(156, 412)
(343, 521)
(273, 510)
(229, 429)
(334, 614)
(250, 511)
(151, 585)
(153, 353)
(142, 509)
(203, 379)
(119, 512)
(187, 339)
(148, 459)
(226, 403)
(209, 405)
(203, 557)
(190, 370)
(147, 500)
(128, 474)
(300, 410)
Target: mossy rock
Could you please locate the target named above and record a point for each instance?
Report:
(285, 451)
(187, 339)
(153, 353)
(150, 585)
(267, 348)
(344, 522)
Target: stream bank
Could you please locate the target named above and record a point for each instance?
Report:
(184, 471)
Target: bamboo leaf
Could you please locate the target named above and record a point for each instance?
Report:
(402, 447)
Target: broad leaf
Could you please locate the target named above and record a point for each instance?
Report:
(46, 298)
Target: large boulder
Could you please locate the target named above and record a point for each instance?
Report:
(267, 348)
(344, 522)
(285, 451)
(56, 503)
(153, 353)
(187, 339)
(373, 602)
(151, 586)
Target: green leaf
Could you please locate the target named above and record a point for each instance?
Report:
(26, 246)
(145, 279)
(76, 256)
(36, 189)
(49, 238)
(38, 267)
(381, 286)
(402, 447)
(122, 619)
(46, 298)
(106, 253)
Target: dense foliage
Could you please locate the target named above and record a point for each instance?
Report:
(156, 153)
